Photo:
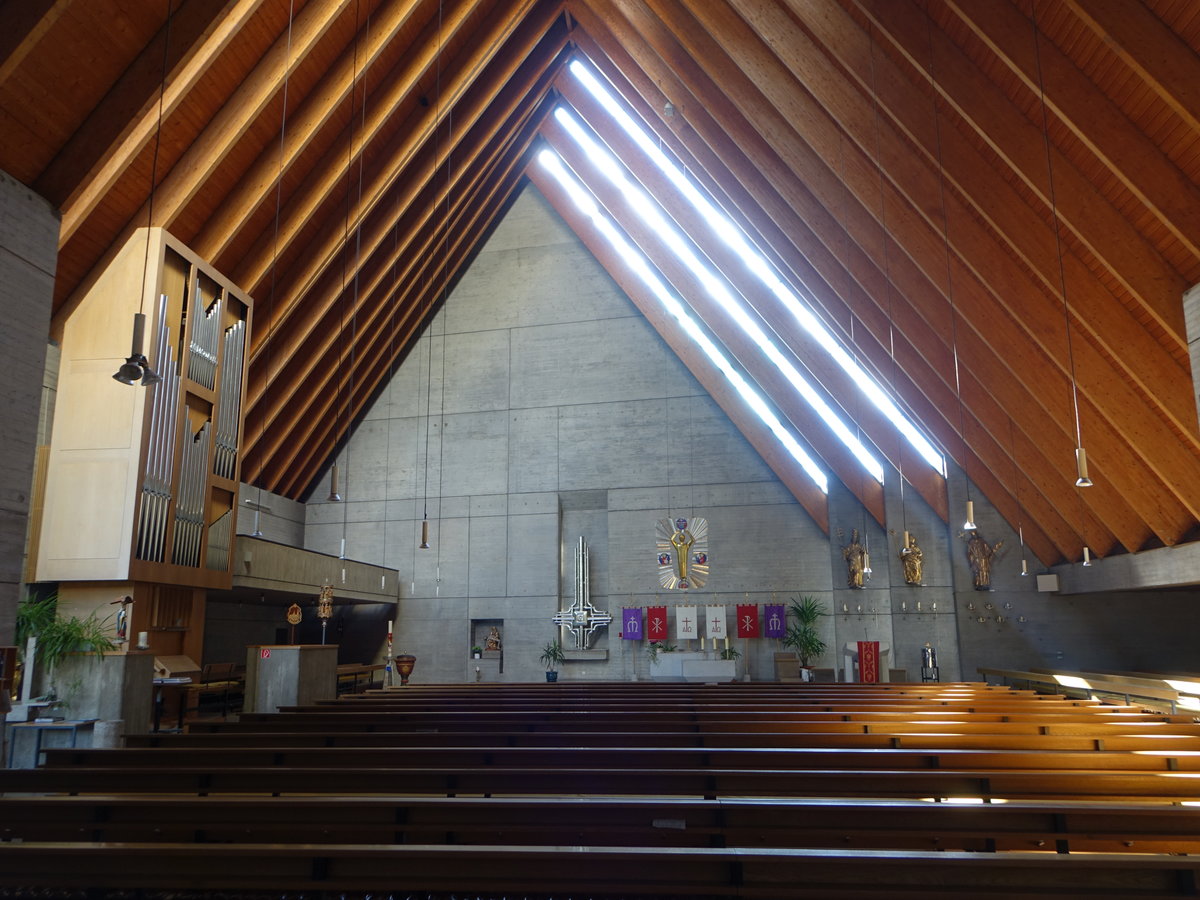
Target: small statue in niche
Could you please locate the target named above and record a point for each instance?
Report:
(855, 555)
(912, 558)
(979, 556)
(493, 639)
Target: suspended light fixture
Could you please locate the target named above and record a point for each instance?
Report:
(1081, 470)
(1012, 457)
(136, 369)
(334, 496)
(424, 545)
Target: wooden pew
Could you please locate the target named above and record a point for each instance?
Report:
(653, 822)
(418, 787)
(632, 756)
(600, 871)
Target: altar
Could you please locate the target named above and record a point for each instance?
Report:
(692, 665)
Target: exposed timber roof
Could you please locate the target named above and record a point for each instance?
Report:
(342, 160)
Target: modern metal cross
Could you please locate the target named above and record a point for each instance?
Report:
(582, 618)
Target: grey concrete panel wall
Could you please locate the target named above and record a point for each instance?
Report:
(278, 518)
(28, 254)
(561, 413)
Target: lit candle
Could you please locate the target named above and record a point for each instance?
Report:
(143, 640)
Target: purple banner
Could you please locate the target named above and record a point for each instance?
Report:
(631, 624)
(774, 621)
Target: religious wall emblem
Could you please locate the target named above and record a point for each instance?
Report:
(682, 550)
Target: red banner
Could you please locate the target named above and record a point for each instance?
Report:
(868, 662)
(656, 623)
(747, 620)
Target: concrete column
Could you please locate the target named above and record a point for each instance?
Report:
(28, 255)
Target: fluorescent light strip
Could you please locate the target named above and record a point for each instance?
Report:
(733, 236)
(637, 262)
(716, 287)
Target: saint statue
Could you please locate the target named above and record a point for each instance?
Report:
(912, 556)
(855, 556)
(979, 555)
(493, 639)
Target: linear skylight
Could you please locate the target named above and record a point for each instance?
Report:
(716, 287)
(728, 231)
(638, 263)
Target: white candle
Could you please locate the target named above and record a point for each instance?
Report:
(389, 626)
(143, 640)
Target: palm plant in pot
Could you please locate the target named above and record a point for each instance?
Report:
(552, 655)
(802, 635)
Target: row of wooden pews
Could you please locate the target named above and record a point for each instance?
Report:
(597, 790)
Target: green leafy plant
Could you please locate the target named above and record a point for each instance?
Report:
(802, 635)
(57, 635)
(552, 655)
(476, 649)
(731, 653)
(656, 647)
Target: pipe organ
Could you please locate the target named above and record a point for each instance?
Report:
(141, 482)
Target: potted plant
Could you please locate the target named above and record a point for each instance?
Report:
(656, 647)
(56, 635)
(477, 652)
(552, 655)
(802, 635)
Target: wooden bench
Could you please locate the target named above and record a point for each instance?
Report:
(657, 822)
(631, 756)
(604, 871)
(695, 792)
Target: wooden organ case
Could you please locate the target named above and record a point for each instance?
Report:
(141, 484)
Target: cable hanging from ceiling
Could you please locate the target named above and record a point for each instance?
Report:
(969, 523)
(906, 538)
(437, 126)
(136, 368)
(287, 71)
(1012, 458)
(1081, 467)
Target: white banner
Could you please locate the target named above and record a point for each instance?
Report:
(714, 622)
(685, 622)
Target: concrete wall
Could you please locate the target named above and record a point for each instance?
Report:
(558, 412)
(28, 253)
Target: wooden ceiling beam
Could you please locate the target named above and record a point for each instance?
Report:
(841, 391)
(88, 167)
(1156, 502)
(794, 230)
(313, 114)
(742, 350)
(1166, 64)
(298, 280)
(806, 492)
(1140, 355)
(478, 105)
(449, 243)
(283, 408)
(398, 91)
(22, 27)
(1129, 156)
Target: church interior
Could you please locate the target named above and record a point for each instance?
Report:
(426, 407)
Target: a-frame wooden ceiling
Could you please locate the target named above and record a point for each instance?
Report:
(342, 159)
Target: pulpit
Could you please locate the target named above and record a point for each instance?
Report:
(850, 661)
